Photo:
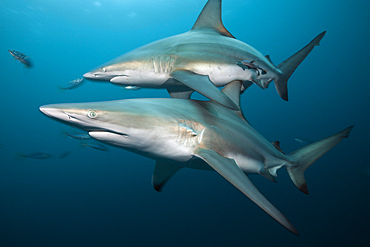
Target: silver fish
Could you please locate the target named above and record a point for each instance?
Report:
(72, 84)
(36, 155)
(24, 59)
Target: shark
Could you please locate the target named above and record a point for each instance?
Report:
(202, 59)
(204, 135)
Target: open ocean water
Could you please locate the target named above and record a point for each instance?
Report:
(95, 198)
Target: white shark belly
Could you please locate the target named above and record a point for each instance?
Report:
(172, 151)
(221, 75)
(252, 165)
(248, 164)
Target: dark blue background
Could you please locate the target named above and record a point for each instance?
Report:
(94, 198)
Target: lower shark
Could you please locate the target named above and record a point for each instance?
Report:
(202, 59)
(180, 133)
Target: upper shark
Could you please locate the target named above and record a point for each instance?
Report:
(180, 133)
(206, 57)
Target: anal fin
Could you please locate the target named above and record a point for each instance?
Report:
(265, 172)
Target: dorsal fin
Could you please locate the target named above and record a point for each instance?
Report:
(276, 144)
(210, 18)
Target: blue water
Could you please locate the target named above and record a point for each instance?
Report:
(95, 198)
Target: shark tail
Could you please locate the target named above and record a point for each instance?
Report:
(304, 157)
(288, 66)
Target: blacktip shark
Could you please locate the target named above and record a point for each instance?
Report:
(181, 133)
(206, 57)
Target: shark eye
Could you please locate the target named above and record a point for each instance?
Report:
(92, 114)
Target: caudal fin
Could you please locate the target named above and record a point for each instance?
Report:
(289, 65)
(307, 155)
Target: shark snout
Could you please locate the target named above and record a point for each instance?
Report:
(89, 75)
(93, 76)
(55, 113)
(48, 111)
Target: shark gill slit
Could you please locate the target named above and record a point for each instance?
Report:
(189, 133)
(163, 64)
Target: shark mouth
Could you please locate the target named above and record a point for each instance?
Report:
(100, 132)
(102, 75)
(106, 76)
(108, 137)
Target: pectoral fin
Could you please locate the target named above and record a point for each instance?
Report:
(163, 171)
(204, 86)
(232, 173)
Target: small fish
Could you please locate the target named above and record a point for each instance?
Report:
(21, 58)
(78, 136)
(96, 146)
(132, 87)
(64, 154)
(72, 84)
(36, 155)
(303, 141)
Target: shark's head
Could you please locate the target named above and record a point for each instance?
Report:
(121, 123)
(131, 71)
(107, 71)
(140, 125)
